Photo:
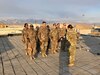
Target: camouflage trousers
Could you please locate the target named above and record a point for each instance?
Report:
(54, 46)
(25, 41)
(31, 48)
(72, 52)
(43, 46)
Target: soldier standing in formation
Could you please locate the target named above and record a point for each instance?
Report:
(31, 42)
(72, 38)
(43, 37)
(25, 36)
(54, 36)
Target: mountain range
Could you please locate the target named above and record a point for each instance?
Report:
(9, 21)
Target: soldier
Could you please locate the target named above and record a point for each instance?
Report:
(54, 35)
(72, 38)
(43, 37)
(63, 37)
(59, 38)
(25, 36)
(31, 42)
(59, 29)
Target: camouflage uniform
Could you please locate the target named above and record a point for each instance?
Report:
(32, 42)
(43, 37)
(63, 38)
(59, 31)
(72, 38)
(59, 38)
(54, 35)
(25, 38)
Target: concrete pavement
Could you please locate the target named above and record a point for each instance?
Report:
(13, 60)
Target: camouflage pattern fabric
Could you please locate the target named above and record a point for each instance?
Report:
(72, 38)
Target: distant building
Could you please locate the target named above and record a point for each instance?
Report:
(84, 28)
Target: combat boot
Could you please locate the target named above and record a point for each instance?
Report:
(54, 52)
(44, 55)
(31, 58)
(70, 65)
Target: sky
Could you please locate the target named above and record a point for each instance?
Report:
(64, 10)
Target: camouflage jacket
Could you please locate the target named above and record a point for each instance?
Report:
(54, 34)
(63, 32)
(43, 34)
(24, 35)
(31, 34)
(71, 36)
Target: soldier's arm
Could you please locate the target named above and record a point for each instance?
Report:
(39, 34)
(77, 35)
(36, 36)
(59, 33)
(62, 33)
(67, 36)
(51, 34)
(23, 38)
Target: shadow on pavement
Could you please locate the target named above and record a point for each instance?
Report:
(5, 44)
(64, 61)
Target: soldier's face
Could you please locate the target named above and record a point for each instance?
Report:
(44, 24)
(58, 25)
(26, 26)
(54, 26)
(31, 27)
(64, 26)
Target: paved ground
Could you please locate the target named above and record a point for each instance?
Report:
(13, 60)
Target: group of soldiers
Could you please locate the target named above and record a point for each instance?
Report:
(49, 38)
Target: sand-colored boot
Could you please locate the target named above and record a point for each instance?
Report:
(54, 52)
(70, 65)
(45, 55)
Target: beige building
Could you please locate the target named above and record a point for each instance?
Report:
(84, 28)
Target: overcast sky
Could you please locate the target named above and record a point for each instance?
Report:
(69, 10)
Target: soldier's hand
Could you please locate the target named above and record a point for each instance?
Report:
(64, 37)
(61, 39)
